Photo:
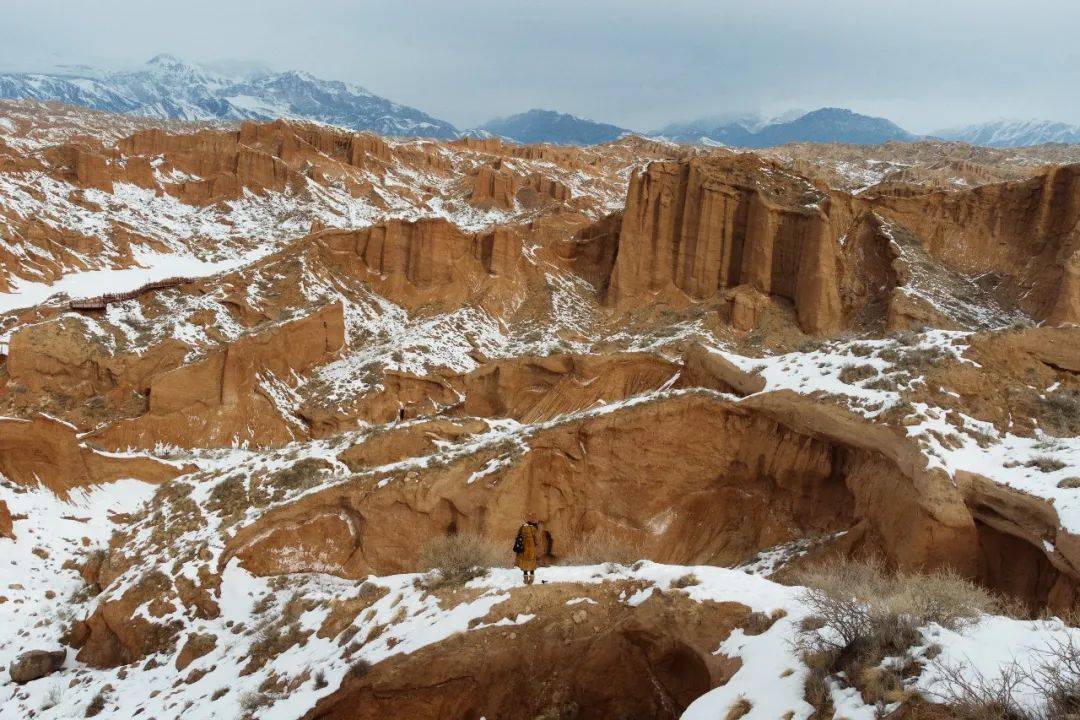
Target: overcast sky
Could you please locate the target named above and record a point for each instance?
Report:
(925, 64)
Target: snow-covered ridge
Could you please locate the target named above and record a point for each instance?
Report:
(168, 88)
(1013, 133)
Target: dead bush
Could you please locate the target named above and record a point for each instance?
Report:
(861, 614)
(738, 709)
(359, 668)
(273, 639)
(1057, 679)
(972, 696)
(96, 705)
(252, 701)
(301, 475)
(887, 383)
(1060, 412)
(1069, 483)
(688, 580)
(1045, 463)
(456, 559)
(603, 546)
(851, 374)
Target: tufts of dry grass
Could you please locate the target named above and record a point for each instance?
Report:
(603, 546)
(688, 580)
(95, 706)
(738, 709)
(861, 614)
(456, 559)
(1060, 412)
(1045, 463)
(855, 373)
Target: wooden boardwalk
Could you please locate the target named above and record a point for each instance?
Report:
(100, 302)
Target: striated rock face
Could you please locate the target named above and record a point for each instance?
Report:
(694, 228)
(713, 223)
(229, 395)
(719, 482)
(67, 356)
(1023, 234)
(427, 261)
(499, 186)
(48, 451)
(541, 388)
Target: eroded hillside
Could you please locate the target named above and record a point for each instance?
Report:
(252, 372)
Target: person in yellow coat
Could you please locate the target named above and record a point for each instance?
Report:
(525, 549)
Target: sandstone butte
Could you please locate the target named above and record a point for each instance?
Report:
(711, 369)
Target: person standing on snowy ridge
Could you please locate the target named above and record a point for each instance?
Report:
(525, 545)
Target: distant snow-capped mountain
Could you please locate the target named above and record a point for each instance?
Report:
(539, 126)
(166, 87)
(824, 125)
(1013, 133)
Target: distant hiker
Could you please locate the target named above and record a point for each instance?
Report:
(525, 547)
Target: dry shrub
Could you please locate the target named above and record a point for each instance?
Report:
(1060, 412)
(97, 704)
(888, 383)
(1069, 483)
(862, 614)
(273, 639)
(972, 696)
(739, 708)
(758, 622)
(603, 546)
(359, 668)
(1045, 463)
(1057, 678)
(252, 701)
(456, 559)
(854, 373)
(688, 580)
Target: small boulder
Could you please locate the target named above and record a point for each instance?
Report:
(35, 664)
(5, 521)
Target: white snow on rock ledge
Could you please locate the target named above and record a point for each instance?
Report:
(150, 267)
(52, 532)
(1005, 458)
(771, 676)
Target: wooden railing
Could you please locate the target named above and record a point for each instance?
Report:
(100, 302)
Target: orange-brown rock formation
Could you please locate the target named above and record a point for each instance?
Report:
(47, 451)
(1022, 233)
(591, 662)
(708, 224)
(719, 482)
(220, 399)
(427, 261)
(6, 530)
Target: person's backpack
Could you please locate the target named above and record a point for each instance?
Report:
(519, 543)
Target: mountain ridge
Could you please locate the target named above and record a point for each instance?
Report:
(829, 124)
(539, 125)
(168, 88)
(1013, 133)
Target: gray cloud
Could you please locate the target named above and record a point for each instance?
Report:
(923, 63)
